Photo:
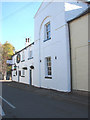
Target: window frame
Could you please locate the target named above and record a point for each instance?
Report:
(47, 37)
(23, 71)
(14, 60)
(30, 54)
(23, 56)
(48, 72)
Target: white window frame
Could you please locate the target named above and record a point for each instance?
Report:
(14, 60)
(23, 55)
(47, 37)
(30, 54)
(48, 66)
(23, 72)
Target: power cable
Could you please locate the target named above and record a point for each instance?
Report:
(17, 11)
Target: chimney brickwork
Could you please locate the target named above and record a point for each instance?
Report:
(27, 42)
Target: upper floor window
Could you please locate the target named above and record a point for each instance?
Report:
(23, 56)
(47, 31)
(30, 54)
(13, 60)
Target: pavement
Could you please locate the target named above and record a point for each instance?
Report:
(1, 81)
(26, 101)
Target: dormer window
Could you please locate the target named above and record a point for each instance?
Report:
(47, 32)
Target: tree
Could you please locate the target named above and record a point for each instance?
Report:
(7, 52)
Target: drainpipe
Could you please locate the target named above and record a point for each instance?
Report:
(39, 62)
(70, 53)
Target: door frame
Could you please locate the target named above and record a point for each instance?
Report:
(18, 76)
(30, 76)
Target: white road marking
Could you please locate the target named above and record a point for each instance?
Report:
(7, 102)
(1, 111)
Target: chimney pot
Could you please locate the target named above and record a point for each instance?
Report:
(26, 39)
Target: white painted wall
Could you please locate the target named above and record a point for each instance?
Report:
(57, 46)
(27, 63)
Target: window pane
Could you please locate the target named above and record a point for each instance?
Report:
(49, 34)
(49, 59)
(23, 72)
(23, 55)
(30, 54)
(50, 73)
(46, 27)
(49, 27)
(48, 65)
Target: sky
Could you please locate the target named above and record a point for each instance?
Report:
(18, 22)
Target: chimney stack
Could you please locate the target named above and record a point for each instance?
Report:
(27, 42)
(28, 39)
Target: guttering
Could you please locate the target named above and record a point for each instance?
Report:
(39, 63)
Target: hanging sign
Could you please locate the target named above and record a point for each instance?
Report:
(18, 58)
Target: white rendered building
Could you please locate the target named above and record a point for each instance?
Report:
(22, 68)
(49, 56)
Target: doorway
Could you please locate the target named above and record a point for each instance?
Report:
(19, 74)
(30, 77)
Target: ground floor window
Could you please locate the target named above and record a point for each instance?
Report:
(48, 66)
(23, 72)
(14, 73)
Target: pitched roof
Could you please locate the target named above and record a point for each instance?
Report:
(82, 14)
(23, 49)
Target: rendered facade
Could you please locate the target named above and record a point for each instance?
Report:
(47, 63)
(79, 52)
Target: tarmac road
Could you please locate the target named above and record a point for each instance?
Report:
(20, 103)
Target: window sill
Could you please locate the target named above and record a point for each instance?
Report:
(30, 58)
(48, 77)
(46, 39)
(22, 60)
(22, 76)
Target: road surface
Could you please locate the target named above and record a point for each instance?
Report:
(20, 103)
